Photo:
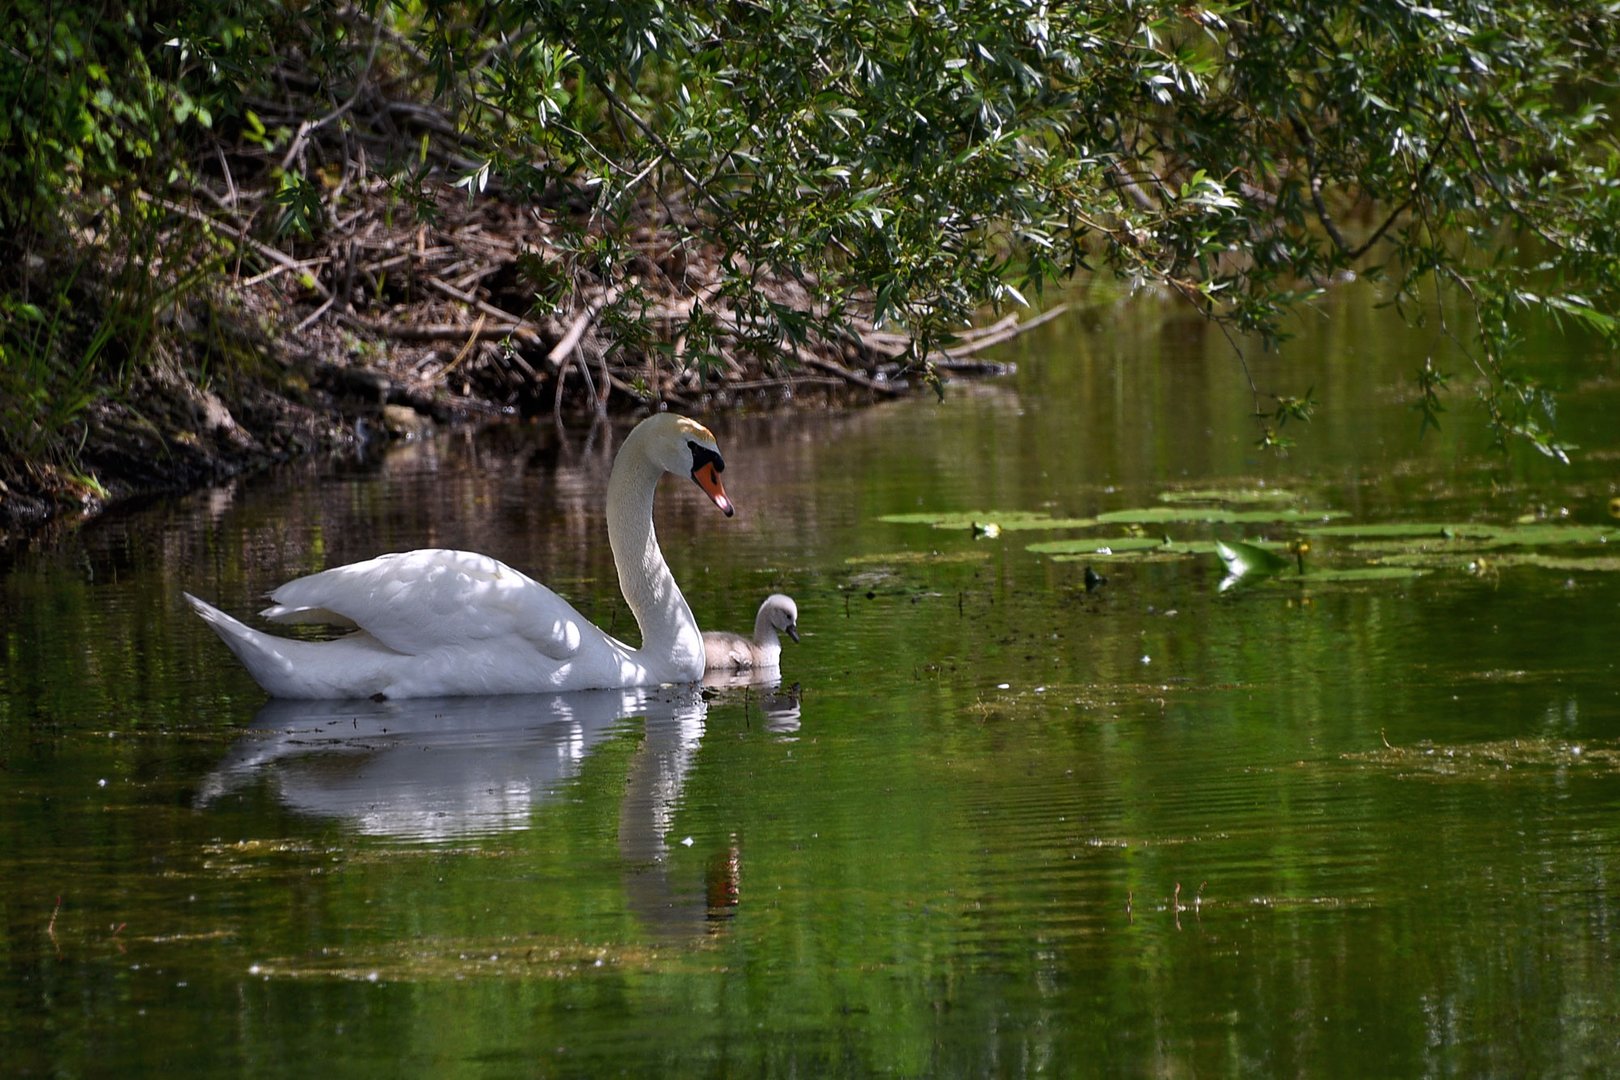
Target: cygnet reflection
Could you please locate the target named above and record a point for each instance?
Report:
(766, 697)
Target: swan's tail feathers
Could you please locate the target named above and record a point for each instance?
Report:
(354, 666)
(266, 657)
(316, 615)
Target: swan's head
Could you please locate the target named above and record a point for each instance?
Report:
(686, 448)
(782, 614)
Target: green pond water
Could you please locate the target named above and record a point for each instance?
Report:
(1360, 821)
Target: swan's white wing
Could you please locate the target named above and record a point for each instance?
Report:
(417, 601)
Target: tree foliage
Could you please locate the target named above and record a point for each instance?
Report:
(916, 161)
(926, 158)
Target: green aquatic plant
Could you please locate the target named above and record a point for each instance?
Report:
(1330, 575)
(982, 521)
(912, 558)
(1501, 560)
(1497, 760)
(1118, 546)
(1230, 495)
(1416, 534)
(1163, 515)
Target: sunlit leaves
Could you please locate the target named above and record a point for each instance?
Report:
(1431, 383)
(300, 204)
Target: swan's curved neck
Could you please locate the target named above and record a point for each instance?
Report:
(669, 633)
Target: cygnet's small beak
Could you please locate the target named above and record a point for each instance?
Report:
(792, 632)
(708, 478)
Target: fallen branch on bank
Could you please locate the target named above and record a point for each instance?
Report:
(446, 304)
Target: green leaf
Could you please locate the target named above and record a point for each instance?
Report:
(1243, 559)
(1006, 520)
(1156, 515)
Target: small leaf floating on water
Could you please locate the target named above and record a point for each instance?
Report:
(1243, 560)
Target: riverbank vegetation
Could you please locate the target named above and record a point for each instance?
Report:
(239, 232)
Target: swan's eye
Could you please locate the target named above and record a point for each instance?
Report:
(702, 455)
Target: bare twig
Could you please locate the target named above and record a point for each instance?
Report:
(521, 328)
(236, 233)
(881, 386)
(576, 330)
(1004, 332)
(305, 129)
(315, 315)
(472, 339)
(429, 331)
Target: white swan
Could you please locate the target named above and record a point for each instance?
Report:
(732, 652)
(437, 623)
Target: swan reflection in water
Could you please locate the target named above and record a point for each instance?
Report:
(438, 769)
(446, 768)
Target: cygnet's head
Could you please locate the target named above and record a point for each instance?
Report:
(781, 614)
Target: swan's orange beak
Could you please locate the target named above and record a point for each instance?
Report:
(708, 478)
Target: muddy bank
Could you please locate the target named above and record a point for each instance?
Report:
(166, 432)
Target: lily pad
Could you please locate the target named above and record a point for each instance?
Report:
(1499, 560)
(1102, 545)
(912, 558)
(1545, 534)
(1539, 534)
(1404, 529)
(977, 520)
(1157, 555)
(1209, 515)
(1230, 495)
(1381, 572)
(1320, 576)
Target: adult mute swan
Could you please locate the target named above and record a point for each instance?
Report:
(732, 652)
(436, 623)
